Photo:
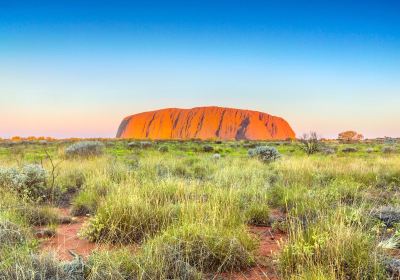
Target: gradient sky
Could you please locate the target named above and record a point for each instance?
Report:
(76, 68)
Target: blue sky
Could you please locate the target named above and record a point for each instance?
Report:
(76, 68)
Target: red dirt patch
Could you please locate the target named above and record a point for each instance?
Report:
(270, 244)
(66, 239)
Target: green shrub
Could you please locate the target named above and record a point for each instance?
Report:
(29, 181)
(389, 150)
(349, 150)
(10, 234)
(216, 156)
(133, 145)
(163, 149)
(265, 153)
(208, 148)
(369, 150)
(328, 151)
(146, 144)
(85, 149)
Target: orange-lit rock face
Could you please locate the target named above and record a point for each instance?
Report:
(205, 123)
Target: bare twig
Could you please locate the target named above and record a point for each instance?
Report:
(54, 173)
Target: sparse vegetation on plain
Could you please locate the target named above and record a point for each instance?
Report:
(190, 209)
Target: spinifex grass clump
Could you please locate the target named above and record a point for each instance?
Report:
(22, 265)
(87, 201)
(187, 251)
(97, 185)
(38, 215)
(128, 218)
(333, 243)
(85, 149)
(117, 264)
(258, 214)
(200, 168)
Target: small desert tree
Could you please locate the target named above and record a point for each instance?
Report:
(350, 136)
(310, 143)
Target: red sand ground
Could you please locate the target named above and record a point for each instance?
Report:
(66, 239)
(269, 246)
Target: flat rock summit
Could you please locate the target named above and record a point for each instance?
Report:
(205, 123)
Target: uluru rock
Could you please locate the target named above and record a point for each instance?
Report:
(205, 123)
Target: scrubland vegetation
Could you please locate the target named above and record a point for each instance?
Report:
(185, 209)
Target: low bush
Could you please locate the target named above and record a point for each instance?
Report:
(140, 144)
(133, 145)
(389, 215)
(370, 150)
(146, 144)
(208, 148)
(85, 149)
(349, 150)
(328, 150)
(10, 178)
(265, 153)
(10, 233)
(216, 156)
(163, 149)
(388, 150)
(28, 181)
(310, 143)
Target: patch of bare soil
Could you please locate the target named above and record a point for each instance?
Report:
(66, 239)
(270, 244)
